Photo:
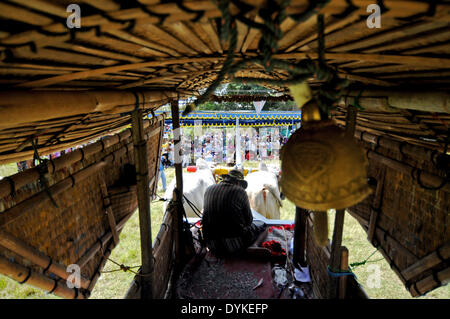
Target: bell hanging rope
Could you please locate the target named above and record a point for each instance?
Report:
(323, 166)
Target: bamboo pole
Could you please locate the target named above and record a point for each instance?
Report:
(429, 283)
(300, 237)
(19, 107)
(109, 212)
(376, 205)
(133, 291)
(155, 185)
(22, 274)
(417, 152)
(427, 101)
(425, 177)
(178, 192)
(21, 248)
(165, 227)
(344, 267)
(140, 159)
(335, 251)
(427, 262)
(338, 230)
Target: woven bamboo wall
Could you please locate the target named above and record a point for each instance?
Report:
(163, 252)
(79, 224)
(318, 259)
(409, 221)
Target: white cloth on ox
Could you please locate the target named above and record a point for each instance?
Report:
(264, 194)
(194, 188)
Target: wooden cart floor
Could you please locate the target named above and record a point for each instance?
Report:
(230, 278)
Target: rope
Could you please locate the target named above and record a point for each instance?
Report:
(125, 268)
(42, 170)
(193, 207)
(335, 273)
(361, 263)
(160, 199)
(356, 101)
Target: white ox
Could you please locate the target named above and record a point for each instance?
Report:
(263, 192)
(194, 188)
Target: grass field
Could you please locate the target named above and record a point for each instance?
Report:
(115, 284)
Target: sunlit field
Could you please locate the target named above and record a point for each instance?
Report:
(115, 283)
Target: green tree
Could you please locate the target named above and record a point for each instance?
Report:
(245, 89)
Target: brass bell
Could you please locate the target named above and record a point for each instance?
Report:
(323, 167)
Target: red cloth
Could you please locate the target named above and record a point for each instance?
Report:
(191, 169)
(274, 247)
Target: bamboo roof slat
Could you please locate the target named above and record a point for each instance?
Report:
(121, 46)
(298, 32)
(251, 35)
(440, 48)
(157, 34)
(61, 56)
(184, 33)
(433, 74)
(212, 34)
(106, 5)
(159, 50)
(329, 28)
(391, 68)
(428, 38)
(354, 32)
(43, 6)
(19, 14)
(380, 58)
(387, 36)
(132, 66)
(97, 52)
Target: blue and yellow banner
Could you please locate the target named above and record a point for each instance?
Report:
(246, 118)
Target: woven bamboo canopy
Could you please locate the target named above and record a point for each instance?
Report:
(165, 49)
(63, 87)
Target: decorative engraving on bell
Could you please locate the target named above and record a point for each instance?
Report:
(322, 167)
